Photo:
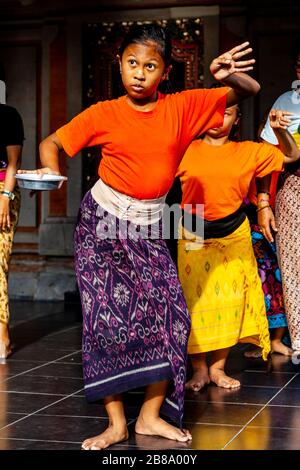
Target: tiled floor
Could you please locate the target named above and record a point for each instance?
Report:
(42, 404)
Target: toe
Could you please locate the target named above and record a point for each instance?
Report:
(190, 385)
(86, 445)
(187, 433)
(235, 384)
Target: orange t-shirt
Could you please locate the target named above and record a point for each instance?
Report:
(219, 176)
(141, 151)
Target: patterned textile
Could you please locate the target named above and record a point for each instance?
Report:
(136, 324)
(223, 292)
(269, 273)
(6, 242)
(288, 246)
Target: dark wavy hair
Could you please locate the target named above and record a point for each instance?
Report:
(145, 33)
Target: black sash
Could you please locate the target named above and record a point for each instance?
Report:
(214, 228)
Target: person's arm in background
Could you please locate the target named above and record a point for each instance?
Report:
(228, 69)
(265, 215)
(279, 122)
(14, 153)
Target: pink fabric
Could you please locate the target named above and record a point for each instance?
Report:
(2, 175)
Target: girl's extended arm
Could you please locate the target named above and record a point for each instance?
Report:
(228, 69)
(14, 153)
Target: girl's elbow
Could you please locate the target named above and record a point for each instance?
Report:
(296, 156)
(255, 88)
(291, 158)
(258, 87)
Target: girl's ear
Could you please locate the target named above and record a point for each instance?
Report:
(166, 73)
(120, 62)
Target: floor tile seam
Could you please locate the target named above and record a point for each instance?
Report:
(273, 427)
(39, 410)
(212, 424)
(37, 440)
(285, 406)
(256, 414)
(64, 331)
(71, 416)
(51, 377)
(42, 365)
(36, 393)
(273, 372)
(224, 402)
(73, 363)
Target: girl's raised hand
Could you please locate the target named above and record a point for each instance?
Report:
(228, 63)
(278, 119)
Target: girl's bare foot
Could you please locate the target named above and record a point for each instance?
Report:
(219, 377)
(158, 427)
(278, 347)
(199, 380)
(112, 435)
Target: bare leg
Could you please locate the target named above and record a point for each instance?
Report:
(5, 349)
(216, 370)
(117, 430)
(277, 345)
(149, 422)
(200, 373)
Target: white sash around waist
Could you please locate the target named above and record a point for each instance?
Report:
(137, 211)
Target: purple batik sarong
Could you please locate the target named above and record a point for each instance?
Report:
(135, 320)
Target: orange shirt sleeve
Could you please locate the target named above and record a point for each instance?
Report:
(268, 159)
(204, 109)
(80, 131)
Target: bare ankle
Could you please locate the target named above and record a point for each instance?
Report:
(145, 417)
(118, 424)
(216, 369)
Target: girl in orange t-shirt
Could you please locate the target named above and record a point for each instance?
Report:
(217, 267)
(135, 320)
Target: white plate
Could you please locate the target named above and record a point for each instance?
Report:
(37, 182)
(39, 177)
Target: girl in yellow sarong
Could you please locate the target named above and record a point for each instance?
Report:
(218, 271)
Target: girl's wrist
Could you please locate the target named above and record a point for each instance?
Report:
(263, 201)
(262, 207)
(4, 199)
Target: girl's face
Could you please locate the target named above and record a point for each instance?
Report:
(142, 69)
(230, 118)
